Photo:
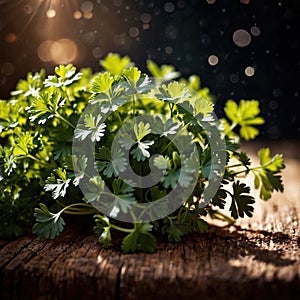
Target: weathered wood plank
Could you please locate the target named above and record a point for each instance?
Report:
(259, 258)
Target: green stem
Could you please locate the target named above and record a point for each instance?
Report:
(71, 207)
(121, 228)
(233, 125)
(64, 120)
(220, 216)
(44, 164)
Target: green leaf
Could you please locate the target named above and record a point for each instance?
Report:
(59, 185)
(92, 128)
(161, 162)
(136, 82)
(241, 201)
(65, 75)
(139, 239)
(49, 225)
(46, 106)
(245, 115)
(141, 153)
(102, 83)
(220, 198)
(24, 144)
(266, 176)
(175, 92)
(110, 167)
(164, 72)
(115, 64)
(141, 130)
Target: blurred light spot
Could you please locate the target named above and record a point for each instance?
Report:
(134, 32)
(28, 9)
(169, 50)
(117, 2)
(97, 52)
(241, 38)
(63, 51)
(277, 93)
(211, 1)
(88, 15)
(255, 31)
(146, 26)
(234, 78)
(51, 13)
(213, 60)
(11, 37)
(145, 18)
(181, 4)
(87, 6)
(7, 68)
(171, 32)
(77, 15)
(169, 7)
(249, 71)
(44, 51)
(273, 104)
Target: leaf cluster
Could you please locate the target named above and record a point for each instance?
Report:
(40, 177)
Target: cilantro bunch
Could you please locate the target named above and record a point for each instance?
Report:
(40, 175)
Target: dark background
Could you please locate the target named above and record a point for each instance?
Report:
(183, 33)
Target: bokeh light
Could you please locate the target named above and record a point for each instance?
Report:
(213, 60)
(241, 38)
(63, 51)
(249, 71)
(44, 51)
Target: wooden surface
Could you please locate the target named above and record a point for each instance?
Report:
(258, 259)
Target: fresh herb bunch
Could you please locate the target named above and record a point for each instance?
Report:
(37, 167)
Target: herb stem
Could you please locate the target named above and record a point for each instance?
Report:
(64, 120)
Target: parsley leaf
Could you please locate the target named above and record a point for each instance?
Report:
(59, 185)
(140, 239)
(266, 176)
(245, 115)
(49, 225)
(241, 201)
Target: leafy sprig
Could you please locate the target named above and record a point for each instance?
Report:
(37, 127)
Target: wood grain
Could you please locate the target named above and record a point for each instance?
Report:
(257, 259)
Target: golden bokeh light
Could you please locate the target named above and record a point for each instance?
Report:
(51, 13)
(63, 51)
(44, 51)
